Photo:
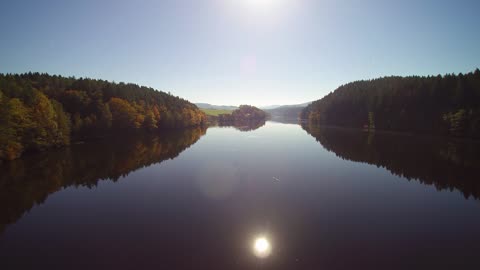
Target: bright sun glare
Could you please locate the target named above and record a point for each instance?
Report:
(261, 247)
(263, 5)
(260, 3)
(266, 9)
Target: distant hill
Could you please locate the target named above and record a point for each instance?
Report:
(287, 111)
(215, 112)
(270, 107)
(244, 115)
(215, 107)
(273, 107)
(276, 112)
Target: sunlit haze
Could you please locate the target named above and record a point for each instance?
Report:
(231, 52)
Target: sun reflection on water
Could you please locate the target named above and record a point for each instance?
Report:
(262, 247)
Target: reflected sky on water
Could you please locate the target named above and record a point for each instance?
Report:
(310, 198)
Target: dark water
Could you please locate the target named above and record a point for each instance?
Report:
(322, 198)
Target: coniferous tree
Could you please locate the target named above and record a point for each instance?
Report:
(445, 105)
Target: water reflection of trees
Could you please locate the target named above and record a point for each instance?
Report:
(446, 164)
(30, 180)
(249, 125)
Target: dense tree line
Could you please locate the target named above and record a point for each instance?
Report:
(447, 164)
(247, 113)
(244, 114)
(39, 111)
(245, 118)
(446, 105)
(28, 181)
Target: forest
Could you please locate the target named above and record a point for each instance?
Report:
(40, 111)
(442, 105)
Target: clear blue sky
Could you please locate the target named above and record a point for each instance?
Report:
(256, 52)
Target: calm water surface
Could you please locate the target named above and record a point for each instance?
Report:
(281, 196)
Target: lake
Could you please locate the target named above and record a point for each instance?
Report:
(275, 196)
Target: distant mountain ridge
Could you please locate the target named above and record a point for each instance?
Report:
(283, 112)
(276, 112)
(215, 107)
(273, 107)
(202, 105)
(270, 107)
